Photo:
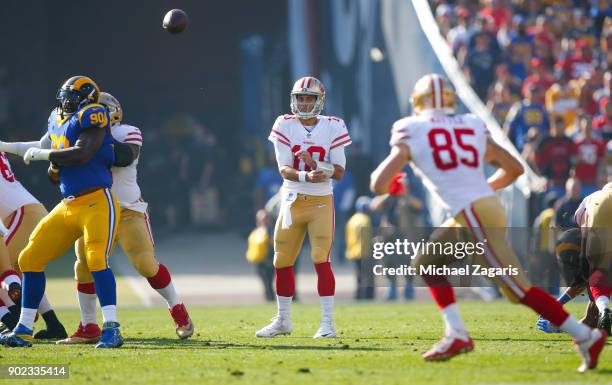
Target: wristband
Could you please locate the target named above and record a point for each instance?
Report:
(302, 176)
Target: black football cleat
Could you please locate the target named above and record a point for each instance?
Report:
(54, 331)
(605, 321)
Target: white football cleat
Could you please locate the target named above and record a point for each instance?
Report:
(590, 349)
(327, 329)
(278, 326)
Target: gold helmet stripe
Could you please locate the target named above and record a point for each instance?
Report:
(84, 80)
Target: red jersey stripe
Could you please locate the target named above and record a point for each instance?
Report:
(347, 142)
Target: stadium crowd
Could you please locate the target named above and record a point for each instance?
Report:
(543, 68)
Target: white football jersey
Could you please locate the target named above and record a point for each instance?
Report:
(329, 133)
(447, 153)
(125, 179)
(12, 194)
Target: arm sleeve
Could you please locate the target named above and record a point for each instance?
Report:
(337, 156)
(284, 156)
(20, 148)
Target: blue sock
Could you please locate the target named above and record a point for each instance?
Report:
(33, 289)
(106, 287)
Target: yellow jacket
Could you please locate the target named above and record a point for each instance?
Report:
(358, 234)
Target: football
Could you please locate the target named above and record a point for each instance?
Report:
(175, 21)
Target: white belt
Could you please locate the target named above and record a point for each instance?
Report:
(288, 199)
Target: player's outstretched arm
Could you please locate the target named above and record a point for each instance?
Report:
(509, 167)
(393, 164)
(20, 148)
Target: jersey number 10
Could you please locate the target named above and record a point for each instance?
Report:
(442, 142)
(311, 150)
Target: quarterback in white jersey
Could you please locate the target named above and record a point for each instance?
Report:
(134, 235)
(310, 152)
(448, 152)
(20, 212)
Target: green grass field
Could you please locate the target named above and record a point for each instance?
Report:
(377, 344)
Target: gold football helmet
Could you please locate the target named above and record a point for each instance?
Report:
(114, 107)
(307, 86)
(433, 91)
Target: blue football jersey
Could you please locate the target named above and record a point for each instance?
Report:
(64, 133)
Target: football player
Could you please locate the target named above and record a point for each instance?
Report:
(20, 212)
(584, 257)
(575, 270)
(448, 152)
(134, 236)
(82, 149)
(310, 152)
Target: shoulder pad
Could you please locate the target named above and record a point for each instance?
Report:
(93, 115)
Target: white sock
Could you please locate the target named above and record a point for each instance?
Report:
(453, 324)
(27, 317)
(579, 331)
(284, 306)
(327, 307)
(169, 294)
(45, 305)
(109, 313)
(87, 304)
(602, 303)
(13, 278)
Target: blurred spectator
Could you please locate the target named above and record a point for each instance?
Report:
(500, 102)
(579, 26)
(562, 100)
(458, 36)
(602, 95)
(485, 25)
(543, 39)
(567, 205)
(603, 123)
(444, 15)
(358, 232)
(578, 63)
(519, 47)
(344, 196)
(511, 82)
(586, 86)
(267, 183)
(525, 114)
(533, 137)
(600, 10)
(539, 77)
(554, 157)
(543, 266)
(203, 162)
(605, 44)
(590, 152)
(261, 253)
(498, 11)
(480, 64)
